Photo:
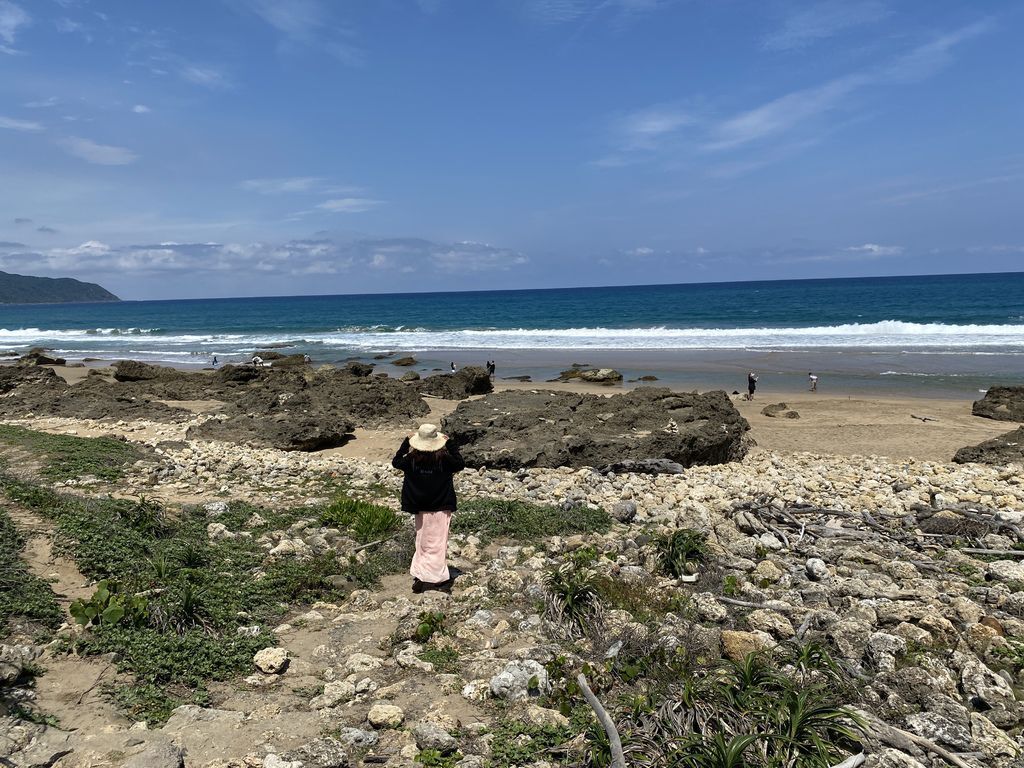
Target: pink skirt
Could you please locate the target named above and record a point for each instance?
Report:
(429, 564)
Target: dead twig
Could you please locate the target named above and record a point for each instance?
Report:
(923, 418)
(615, 743)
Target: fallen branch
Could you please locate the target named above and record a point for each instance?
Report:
(615, 743)
(994, 552)
(923, 418)
(903, 740)
(852, 761)
(780, 607)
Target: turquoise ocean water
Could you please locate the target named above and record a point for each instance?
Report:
(952, 333)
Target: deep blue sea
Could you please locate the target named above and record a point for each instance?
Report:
(948, 316)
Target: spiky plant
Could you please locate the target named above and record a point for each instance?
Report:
(682, 551)
(572, 599)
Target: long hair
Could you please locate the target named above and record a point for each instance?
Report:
(428, 458)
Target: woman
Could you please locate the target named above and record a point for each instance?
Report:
(428, 492)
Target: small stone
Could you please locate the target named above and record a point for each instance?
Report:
(431, 736)
(385, 716)
(519, 679)
(543, 717)
(624, 511)
(271, 661)
(737, 645)
(816, 569)
(335, 693)
(164, 755)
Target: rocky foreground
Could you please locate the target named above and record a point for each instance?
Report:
(885, 562)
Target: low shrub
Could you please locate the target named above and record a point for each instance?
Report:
(496, 518)
(682, 551)
(67, 456)
(22, 594)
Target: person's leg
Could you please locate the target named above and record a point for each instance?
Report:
(429, 564)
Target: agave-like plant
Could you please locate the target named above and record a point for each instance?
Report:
(572, 600)
(808, 730)
(718, 752)
(683, 550)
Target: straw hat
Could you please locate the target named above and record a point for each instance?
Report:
(427, 438)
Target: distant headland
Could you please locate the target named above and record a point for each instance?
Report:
(24, 289)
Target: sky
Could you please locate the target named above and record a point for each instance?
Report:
(208, 148)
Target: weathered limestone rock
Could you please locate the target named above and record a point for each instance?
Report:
(271, 661)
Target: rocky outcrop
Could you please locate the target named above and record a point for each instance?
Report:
(404, 361)
(133, 370)
(286, 432)
(1001, 404)
(606, 376)
(471, 380)
(779, 409)
(552, 429)
(39, 356)
(1004, 449)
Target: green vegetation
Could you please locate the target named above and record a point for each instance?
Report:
(497, 518)
(432, 758)
(22, 595)
(572, 599)
(431, 623)
(25, 289)
(682, 551)
(444, 659)
(364, 520)
(178, 609)
(777, 710)
(67, 456)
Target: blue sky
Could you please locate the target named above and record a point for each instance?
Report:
(258, 147)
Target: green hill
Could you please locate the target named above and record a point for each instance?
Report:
(23, 289)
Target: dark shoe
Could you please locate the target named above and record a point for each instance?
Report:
(419, 587)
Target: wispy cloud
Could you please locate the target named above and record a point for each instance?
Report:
(349, 205)
(141, 109)
(98, 154)
(949, 188)
(46, 230)
(206, 76)
(305, 24)
(283, 185)
(51, 101)
(12, 124)
(875, 250)
(821, 21)
(563, 11)
(12, 18)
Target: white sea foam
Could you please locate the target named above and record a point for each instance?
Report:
(911, 338)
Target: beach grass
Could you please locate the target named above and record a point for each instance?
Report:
(494, 518)
(65, 457)
(178, 609)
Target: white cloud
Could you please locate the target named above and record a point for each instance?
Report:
(42, 103)
(640, 252)
(98, 154)
(823, 20)
(283, 185)
(208, 77)
(563, 11)
(294, 257)
(66, 25)
(944, 190)
(305, 24)
(141, 109)
(349, 205)
(13, 124)
(644, 128)
(873, 249)
(12, 18)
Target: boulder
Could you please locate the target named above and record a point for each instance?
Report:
(432, 736)
(404, 361)
(320, 753)
(471, 380)
(385, 716)
(409, 376)
(358, 369)
(1001, 404)
(38, 356)
(1004, 449)
(284, 432)
(514, 429)
(519, 679)
(160, 755)
(606, 376)
(271, 661)
(133, 370)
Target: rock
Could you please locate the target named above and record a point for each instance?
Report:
(771, 622)
(354, 368)
(322, 753)
(816, 569)
(409, 376)
(14, 659)
(643, 467)
(779, 409)
(271, 661)
(737, 645)
(431, 736)
(355, 738)
(892, 758)
(385, 716)
(469, 381)
(1005, 570)
(546, 718)
(606, 376)
(335, 693)
(276, 761)
(519, 679)
(1001, 404)
(286, 432)
(38, 356)
(624, 511)
(987, 692)
(404, 361)
(1004, 449)
(132, 370)
(160, 755)
(515, 429)
(767, 572)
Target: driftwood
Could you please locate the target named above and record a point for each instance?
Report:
(779, 607)
(853, 761)
(615, 743)
(993, 552)
(923, 418)
(904, 740)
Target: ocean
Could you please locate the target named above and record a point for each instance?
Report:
(942, 334)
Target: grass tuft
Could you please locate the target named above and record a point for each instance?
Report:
(498, 518)
(67, 457)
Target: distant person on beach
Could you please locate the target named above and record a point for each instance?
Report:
(751, 385)
(492, 369)
(453, 367)
(257, 361)
(429, 462)
(814, 381)
(214, 361)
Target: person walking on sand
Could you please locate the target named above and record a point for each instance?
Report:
(453, 367)
(814, 381)
(751, 385)
(429, 462)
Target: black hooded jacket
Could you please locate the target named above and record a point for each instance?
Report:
(428, 486)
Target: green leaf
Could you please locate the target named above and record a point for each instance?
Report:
(113, 614)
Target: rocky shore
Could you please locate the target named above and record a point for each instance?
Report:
(907, 571)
